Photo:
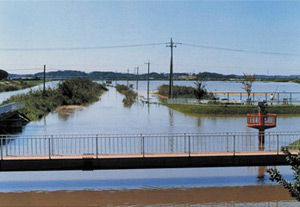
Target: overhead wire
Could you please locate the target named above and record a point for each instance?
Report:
(81, 48)
(239, 50)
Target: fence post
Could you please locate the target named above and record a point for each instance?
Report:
(278, 98)
(49, 143)
(253, 95)
(233, 145)
(97, 146)
(269, 141)
(1, 148)
(227, 97)
(291, 98)
(189, 146)
(266, 97)
(141, 144)
(143, 140)
(6, 151)
(184, 143)
(227, 141)
(277, 144)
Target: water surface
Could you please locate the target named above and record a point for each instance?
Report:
(109, 116)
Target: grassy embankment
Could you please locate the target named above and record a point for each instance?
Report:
(219, 109)
(130, 95)
(14, 85)
(233, 109)
(70, 92)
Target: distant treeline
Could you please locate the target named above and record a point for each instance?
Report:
(66, 74)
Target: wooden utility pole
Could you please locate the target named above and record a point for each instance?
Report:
(127, 77)
(44, 86)
(137, 78)
(172, 44)
(148, 63)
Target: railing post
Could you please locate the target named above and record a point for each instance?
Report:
(227, 141)
(6, 151)
(143, 141)
(97, 146)
(278, 98)
(227, 97)
(49, 143)
(233, 145)
(1, 148)
(184, 143)
(277, 144)
(189, 146)
(266, 97)
(291, 98)
(269, 141)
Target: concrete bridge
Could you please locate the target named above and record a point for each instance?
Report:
(142, 151)
(11, 119)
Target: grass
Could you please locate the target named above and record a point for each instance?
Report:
(14, 85)
(233, 109)
(130, 95)
(70, 92)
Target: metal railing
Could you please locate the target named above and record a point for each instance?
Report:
(262, 120)
(11, 107)
(132, 144)
(242, 98)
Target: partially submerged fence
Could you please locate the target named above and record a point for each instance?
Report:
(242, 98)
(132, 144)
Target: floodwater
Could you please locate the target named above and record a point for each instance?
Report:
(232, 186)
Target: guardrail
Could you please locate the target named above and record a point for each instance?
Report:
(11, 107)
(128, 144)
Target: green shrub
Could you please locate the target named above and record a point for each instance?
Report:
(70, 92)
(130, 95)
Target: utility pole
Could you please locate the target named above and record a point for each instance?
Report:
(44, 87)
(137, 78)
(127, 77)
(171, 45)
(148, 63)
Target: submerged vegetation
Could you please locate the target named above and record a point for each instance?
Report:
(77, 91)
(199, 92)
(129, 93)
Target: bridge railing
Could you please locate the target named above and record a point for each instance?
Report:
(11, 107)
(187, 144)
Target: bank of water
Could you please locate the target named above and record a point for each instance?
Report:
(109, 116)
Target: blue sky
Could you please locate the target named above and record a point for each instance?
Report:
(266, 26)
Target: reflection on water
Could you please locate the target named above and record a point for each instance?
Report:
(108, 116)
(214, 196)
(64, 112)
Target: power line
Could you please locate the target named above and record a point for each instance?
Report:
(239, 50)
(80, 48)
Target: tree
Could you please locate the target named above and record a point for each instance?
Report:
(3, 74)
(200, 91)
(275, 175)
(247, 83)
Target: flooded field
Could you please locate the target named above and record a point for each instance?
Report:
(232, 186)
